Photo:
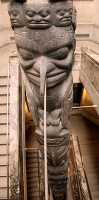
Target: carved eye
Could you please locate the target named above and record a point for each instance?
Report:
(61, 12)
(59, 53)
(44, 13)
(13, 13)
(30, 13)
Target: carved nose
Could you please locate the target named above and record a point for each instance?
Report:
(42, 65)
(37, 18)
(11, 16)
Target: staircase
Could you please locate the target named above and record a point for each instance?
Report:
(4, 145)
(34, 174)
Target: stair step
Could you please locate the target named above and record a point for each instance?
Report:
(3, 171)
(3, 119)
(33, 192)
(3, 81)
(3, 182)
(34, 189)
(3, 198)
(31, 162)
(36, 177)
(3, 107)
(32, 196)
(3, 128)
(3, 193)
(3, 149)
(32, 155)
(3, 160)
(32, 175)
(34, 181)
(3, 85)
(3, 99)
(34, 164)
(3, 139)
(3, 91)
(3, 134)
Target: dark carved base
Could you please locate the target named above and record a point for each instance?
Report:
(57, 154)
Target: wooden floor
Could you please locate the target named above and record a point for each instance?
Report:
(88, 135)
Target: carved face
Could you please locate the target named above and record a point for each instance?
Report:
(62, 15)
(37, 17)
(47, 51)
(45, 48)
(16, 15)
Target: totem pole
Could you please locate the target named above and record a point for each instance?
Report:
(45, 39)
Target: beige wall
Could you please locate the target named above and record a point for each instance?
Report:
(97, 12)
(4, 18)
(88, 18)
(85, 11)
(87, 29)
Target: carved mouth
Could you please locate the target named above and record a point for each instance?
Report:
(51, 81)
(14, 22)
(39, 23)
(65, 20)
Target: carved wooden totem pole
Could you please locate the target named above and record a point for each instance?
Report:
(45, 39)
